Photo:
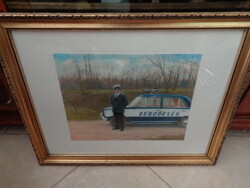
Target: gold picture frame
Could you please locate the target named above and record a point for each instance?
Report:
(13, 51)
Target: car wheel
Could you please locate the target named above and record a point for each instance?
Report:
(183, 122)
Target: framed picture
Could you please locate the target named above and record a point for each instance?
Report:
(126, 88)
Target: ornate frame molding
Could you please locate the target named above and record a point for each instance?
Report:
(129, 16)
(147, 21)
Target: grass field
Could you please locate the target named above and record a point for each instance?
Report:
(88, 105)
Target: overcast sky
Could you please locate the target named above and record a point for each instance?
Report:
(119, 63)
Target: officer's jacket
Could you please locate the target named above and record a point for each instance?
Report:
(119, 103)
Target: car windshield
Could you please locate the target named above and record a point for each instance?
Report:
(134, 102)
(149, 102)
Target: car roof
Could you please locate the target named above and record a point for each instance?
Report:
(163, 95)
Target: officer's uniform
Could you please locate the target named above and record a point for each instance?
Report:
(118, 102)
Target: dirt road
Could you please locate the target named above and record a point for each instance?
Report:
(101, 130)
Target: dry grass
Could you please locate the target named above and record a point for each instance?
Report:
(88, 106)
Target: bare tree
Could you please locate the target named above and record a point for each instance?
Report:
(166, 69)
(78, 74)
(170, 74)
(177, 74)
(192, 71)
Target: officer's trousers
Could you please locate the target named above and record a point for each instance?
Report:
(119, 121)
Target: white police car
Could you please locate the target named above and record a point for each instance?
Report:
(154, 109)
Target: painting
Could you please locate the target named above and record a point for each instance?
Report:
(155, 90)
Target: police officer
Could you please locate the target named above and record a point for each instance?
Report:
(119, 102)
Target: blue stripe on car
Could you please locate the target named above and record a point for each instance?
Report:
(138, 119)
(153, 122)
(155, 108)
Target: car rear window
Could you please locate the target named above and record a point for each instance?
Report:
(173, 102)
(154, 102)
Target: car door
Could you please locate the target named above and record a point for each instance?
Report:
(144, 110)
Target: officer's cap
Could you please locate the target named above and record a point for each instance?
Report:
(116, 87)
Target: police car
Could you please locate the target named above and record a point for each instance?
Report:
(154, 109)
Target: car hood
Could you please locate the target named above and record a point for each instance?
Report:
(107, 108)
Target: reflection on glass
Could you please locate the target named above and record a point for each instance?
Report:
(126, 5)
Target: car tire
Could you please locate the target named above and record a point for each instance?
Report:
(183, 122)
